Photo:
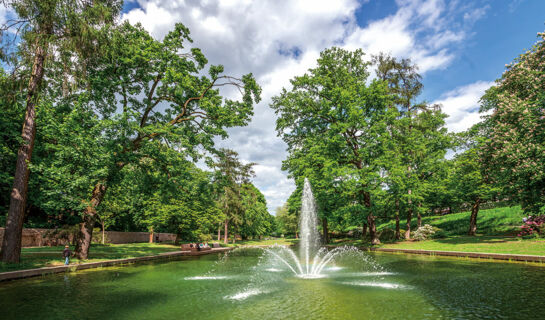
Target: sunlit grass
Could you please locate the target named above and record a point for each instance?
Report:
(39, 257)
(497, 221)
(484, 244)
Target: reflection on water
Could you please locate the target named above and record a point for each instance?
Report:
(245, 285)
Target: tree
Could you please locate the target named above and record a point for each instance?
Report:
(163, 95)
(469, 179)
(256, 221)
(44, 30)
(231, 175)
(515, 127)
(333, 107)
(419, 135)
(288, 220)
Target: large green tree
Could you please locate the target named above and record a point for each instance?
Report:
(419, 139)
(335, 107)
(40, 33)
(515, 128)
(158, 90)
(231, 175)
(470, 181)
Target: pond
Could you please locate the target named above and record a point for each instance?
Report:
(246, 284)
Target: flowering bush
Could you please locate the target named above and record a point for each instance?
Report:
(532, 225)
(424, 232)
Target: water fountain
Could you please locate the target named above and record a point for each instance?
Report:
(312, 259)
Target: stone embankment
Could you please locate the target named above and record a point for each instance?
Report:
(19, 274)
(478, 255)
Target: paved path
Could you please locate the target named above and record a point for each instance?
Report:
(19, 274)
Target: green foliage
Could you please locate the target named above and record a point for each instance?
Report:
(287, 220)
(515, 148)
(335, 123)
(498, 221)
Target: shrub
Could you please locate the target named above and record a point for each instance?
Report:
(387, 234)
(533, 225)
(423, 233)
(439, 233)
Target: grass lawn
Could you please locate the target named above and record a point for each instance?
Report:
(496, 229)
(488, 244)
(278, 241)
(497, 221)
(39, 257)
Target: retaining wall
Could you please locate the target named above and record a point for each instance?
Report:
(35, 237)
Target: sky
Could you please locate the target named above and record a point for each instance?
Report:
(460, 46)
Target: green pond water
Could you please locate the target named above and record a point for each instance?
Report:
(247, 284)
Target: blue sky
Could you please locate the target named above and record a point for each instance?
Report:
(461, 48)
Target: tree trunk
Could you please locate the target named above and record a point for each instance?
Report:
(364, 231)
(372, 229)
(85, 235)
(325, 231)
(219, 233)
(371, 219)
(408, 225)
(409, 216)
(11, 245)
(178, 239)
(151, 235)
(102, 232)
(473, 219)
(296, 235)
(225, 232)
(419, 216)
(398, 233)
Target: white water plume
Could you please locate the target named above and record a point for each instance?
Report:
(312, 260)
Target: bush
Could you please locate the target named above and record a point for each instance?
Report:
(533, 225)
(387, 234)
(439, 233)
(424, 233)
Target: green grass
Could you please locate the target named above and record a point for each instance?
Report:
(496, 230)
(498, 221)
(39, 257)
(270, 242)
(485, 244)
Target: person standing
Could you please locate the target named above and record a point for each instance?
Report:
(66, 254)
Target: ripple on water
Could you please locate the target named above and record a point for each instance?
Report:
(385, 285)
(245, 294)
(366, 274)
(206, 278)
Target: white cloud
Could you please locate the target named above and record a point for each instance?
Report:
(462, 105)
(276, 40)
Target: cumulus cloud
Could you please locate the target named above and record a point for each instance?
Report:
(276, 40)
(462, 105)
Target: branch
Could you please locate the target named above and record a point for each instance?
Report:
(150, 96)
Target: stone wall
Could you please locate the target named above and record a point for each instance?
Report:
(41, 237)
